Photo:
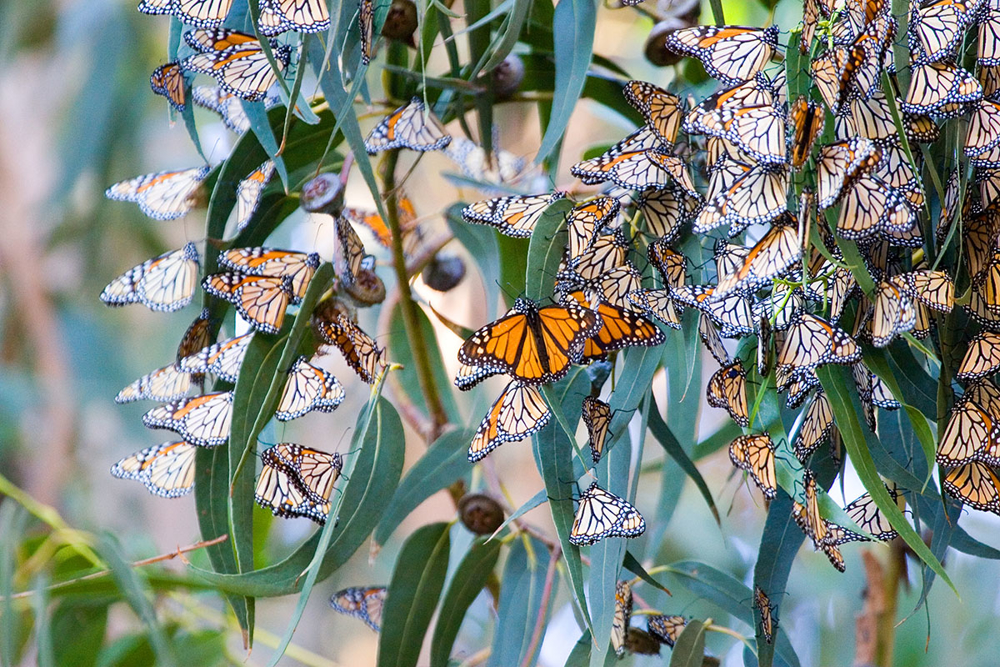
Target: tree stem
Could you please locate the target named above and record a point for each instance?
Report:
(407, 307)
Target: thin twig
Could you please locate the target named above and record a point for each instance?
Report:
(139, 563)
(536, 635)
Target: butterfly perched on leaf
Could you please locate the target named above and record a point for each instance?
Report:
(170, 383)
(200, 13)
(168, 80)
(622, 616)
(222, 359)
(166, 470)
(308, 388)
(163, 284)
(769, 258)
(277, 16)
(618, 327)
(249, 191)
(757, 195)
(727, 388)
(940, 89)
(597, 419)
(165, 195)
(412, 126)
(228, 106)
(365, 603)
(530, 343)
(661, 110)
(260, 300)
(811, 342)
(731, 54)
(975, 484)
(815, 428)
(732, 313)
(826, 535)
(754, 454)
(297, 481)
(203, 420)
(840, 164)
(768, 622)
(666, 629)
(360, 351)
(519, 411)
(236, 60)
(273, 263)
(514, 216)
(601, 514)
(584, 221)
(971, 431)
(864, 512)
(197, 337)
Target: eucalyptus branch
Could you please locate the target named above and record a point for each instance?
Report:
(407, 306)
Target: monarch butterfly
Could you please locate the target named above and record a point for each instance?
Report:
(308, 388)
(975, 484)
(359, 350)
(168, 80)
(165, 195)
(754, 454)
(202, 420)
(366, 26)
(780, 306)
(770, 257)
(585, 220)
(277, 16)
(163, 284)
(410, 126)
(408, 220)
(768, 622)
(166, 384)
(496, 168)
(982, 358)
(727, 389)
(875, 38)
(940, 89)
(365, 603)
(665, 211)
(249, 191)
(764, 335)
(273, 263)
(894, 168)
(623, 614)
(815, 428)
(939, 25)
(597, 418)
(532, 344)
(287, 492)
(872, 207)
(197, 337)
(353, 250)
(756, 197)
(602, 514)
(980, 233)
(833, 71)
(228, 106)
(758, 131)
(949, 206)
(512, 216)
(200, 13)
(612, 287)
(807, 120)
(656, 302)
(166, 470)
(811, 341)
(731, 54)
(710, 338)
(469, 376)
(839, 165)
(732, 313)
(867, 515)
(617, 328)
(728, 257)
(606, 253)
(260, 300)
(221, 359)
(236, 60)
(873, 393)
(934, 289)
(519, 411)
(632, 168)
(893, 313)
(989, 36)
(826, 535)
(757, 91)
(660, 109)
(666, 628)
(671, 264)
(967, 434)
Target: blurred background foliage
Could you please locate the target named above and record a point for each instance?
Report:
(77, 116)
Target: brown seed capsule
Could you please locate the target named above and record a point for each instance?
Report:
(508, 75)
(367, 288)
(641, 642)
(656, 44)
(443, 273)
(323, 194)
(401, 21)
(480, 514)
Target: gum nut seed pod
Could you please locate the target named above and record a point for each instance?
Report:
(401, 21)
(656, 44)
(443, 273)
(366, 288)
(323, 194)
(639, 641)
(480, 514)
(508, 75)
